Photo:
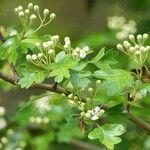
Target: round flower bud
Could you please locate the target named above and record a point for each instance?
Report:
(20, 8)
(50, 51)
(38, 120)
(120, 47)
(32, 17)
(21, 14)
(137, 53)
(2, 111)
(98, 82)
(4, 140)
(70, 96)
(90, 89)
(131, 49)
(88, 100)
(145, 36)
(34, 57)
(30, 6)
(132, 37)
(45, 120)
(63, 95)
(88, 115)
(75, 98)
(86, 48)
(32, 119)
(126, 44)
(82, 54)
(36, 8)
(27, 11)
(137, 47)
(102, 111)
(3, 123)
(28, 57)
(50, 43)
(38, 44)
(46, 12)
(16, 10)
(82, 114)
(139, 38)
(45, 44)
(52, 16)
(95, 117)
(40, 55)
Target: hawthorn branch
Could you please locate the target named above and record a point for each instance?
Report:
(14, 71)
(84, 146)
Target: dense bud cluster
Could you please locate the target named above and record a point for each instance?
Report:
(94, 114)
(39, 120)
(47, 52)
(32, 12)
(135, 48)
(122, 27)
(81, 52)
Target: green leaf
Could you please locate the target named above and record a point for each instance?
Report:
(98, 56)
(60, 56)
(61, 69)
(115, 80)
(30, 78)
(107, 134)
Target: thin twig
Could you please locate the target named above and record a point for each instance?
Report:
(84, 145)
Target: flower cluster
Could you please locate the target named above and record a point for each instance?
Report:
(3, 122)
(93, 114)
(122, 27)
(135, 49)
(27, 16)
(6, 141)
(74, 101)
(42, 104)
(39, 120)
(47, 52)
(81, 52)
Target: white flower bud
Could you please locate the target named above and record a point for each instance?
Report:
(87, 115)
(28, 57)
(4, 140)
(132, 37)
(55, 39)
(137, 47)
(32, 17)
(38, 44)
(20, 8)
(3, 123)
(2, 111)
(52, 16)
(96, 109)
(45, 120)
(34, 57)
(126, 44)
(75, 98)
(38, 120)
(120, 47)
(16, 10)
(70, 96)
(36, 8)
(21, 14)
(66, 46)
(30, 6)
(46, 12)
(137, 52)
(27, 11)
(95, 117)
(98, 82)
(139, 38)
(131, 49)
(50, 51)
(82, 54)
(32, 119)
(40, 55)
(145, 36)
(90, 89)
(102, 111)
(88, 100)
(45, 44)
(147, 48)
(86, 48)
